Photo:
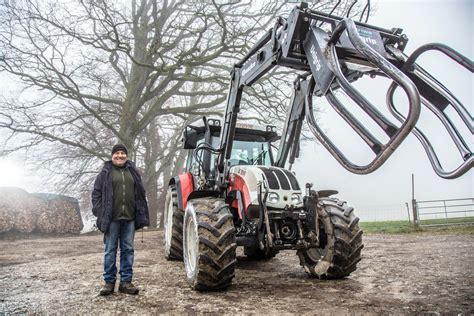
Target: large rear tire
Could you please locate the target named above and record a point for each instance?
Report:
(340, 240)
(209, 244)
(173, 224)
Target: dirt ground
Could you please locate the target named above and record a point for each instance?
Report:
(399, 274)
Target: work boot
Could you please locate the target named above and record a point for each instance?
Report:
(128, 288)
(107, 289)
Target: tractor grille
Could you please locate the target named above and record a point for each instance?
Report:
(293, 181)
(271, 178)
(280, 179)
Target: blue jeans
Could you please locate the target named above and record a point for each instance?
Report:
(122, 231)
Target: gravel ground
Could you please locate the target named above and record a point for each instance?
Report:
(398, 274)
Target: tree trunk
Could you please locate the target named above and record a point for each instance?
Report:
(153, 203)
(161, 204)
(168, 173)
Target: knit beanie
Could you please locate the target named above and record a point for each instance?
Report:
(119, 147)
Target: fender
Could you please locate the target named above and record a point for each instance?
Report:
(235, 198)
(184, 187)
(242, 200)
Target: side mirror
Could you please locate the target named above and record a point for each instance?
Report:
(189, 138)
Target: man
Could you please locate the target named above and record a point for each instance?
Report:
(119, 203)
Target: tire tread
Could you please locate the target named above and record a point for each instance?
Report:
(343, 250)
(217, 246)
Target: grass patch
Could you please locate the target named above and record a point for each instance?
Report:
(458, 220)
(389, 227)
(404, 227)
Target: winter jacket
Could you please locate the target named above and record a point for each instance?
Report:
(102, 198)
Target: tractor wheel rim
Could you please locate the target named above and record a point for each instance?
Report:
(192, 245)
(169, 225)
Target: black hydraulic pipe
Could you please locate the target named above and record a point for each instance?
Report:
(367, 7)
(350, 8)
(292, 128)
(295, 148)
(332, 10)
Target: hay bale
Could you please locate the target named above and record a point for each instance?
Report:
(25, 221)
(46, 222)
(46, 213)
(7, 220)
(22, 207)
(70, 212)
(61, 214)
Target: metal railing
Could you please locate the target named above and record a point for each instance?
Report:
(445, 212)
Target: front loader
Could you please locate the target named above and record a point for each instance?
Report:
(237, 192)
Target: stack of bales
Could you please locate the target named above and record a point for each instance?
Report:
(61, 215)
(18, 210)
(23, 212)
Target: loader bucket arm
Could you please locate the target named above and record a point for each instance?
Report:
(438, 99)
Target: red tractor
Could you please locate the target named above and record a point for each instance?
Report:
(236, 191)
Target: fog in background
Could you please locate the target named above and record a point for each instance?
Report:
(382, 194)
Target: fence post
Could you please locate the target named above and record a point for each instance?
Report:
(408, 213)
(445, 210)
(415, 212)
(413, 201)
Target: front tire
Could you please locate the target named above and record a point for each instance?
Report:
(340, 240)
(209, 244)
(173, 224)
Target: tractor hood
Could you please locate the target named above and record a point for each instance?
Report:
(283, 188)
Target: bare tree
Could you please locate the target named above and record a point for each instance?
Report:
(99, 72)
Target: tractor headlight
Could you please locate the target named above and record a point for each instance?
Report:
(273, 198)
(296, 198)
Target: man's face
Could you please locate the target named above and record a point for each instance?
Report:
(119, 158)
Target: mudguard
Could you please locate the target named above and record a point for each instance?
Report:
(240, 194)
(184, 187)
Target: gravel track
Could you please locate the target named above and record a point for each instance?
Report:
(398, 274)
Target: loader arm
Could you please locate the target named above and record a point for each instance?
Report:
(329, 53)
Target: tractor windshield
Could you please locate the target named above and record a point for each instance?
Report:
(250, 153)
(244, 152)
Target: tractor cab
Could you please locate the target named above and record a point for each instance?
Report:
(252, 146)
